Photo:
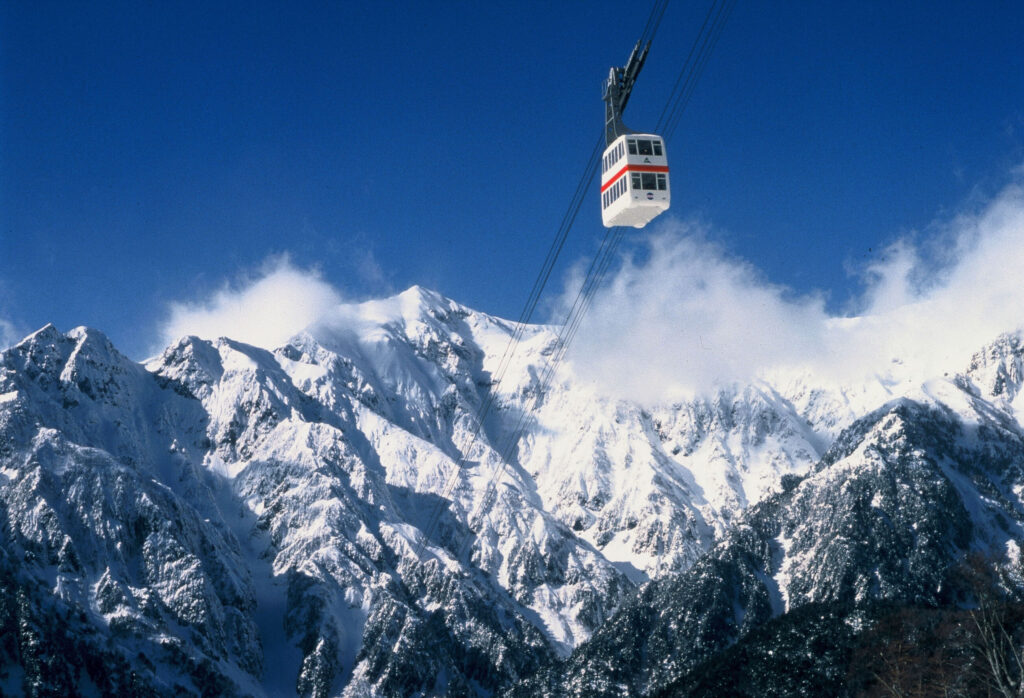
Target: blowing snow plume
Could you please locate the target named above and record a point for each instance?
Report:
(685, 316)
(265, 309)
(8, 334)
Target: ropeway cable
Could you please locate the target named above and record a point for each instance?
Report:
(650, 30)
(595, 275)
(703, 45)
(533, 299)
(718, 15)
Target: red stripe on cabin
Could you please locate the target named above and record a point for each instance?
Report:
(634, 168)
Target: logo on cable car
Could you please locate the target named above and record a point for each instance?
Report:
(650, 195)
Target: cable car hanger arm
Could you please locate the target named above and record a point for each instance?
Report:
(617, 89)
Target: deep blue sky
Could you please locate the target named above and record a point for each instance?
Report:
(151, 151)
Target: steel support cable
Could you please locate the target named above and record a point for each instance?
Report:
(574, 314)
(703, 46)
(567, 330)
(533, 299)
(704, 55)
(653, 21)
(586, 293)
(595, 273)
(549, 262)
(539, 284)
(569, 327)
(598, 268)
(589, 296)
(547, 372)
(560, 237)
(685, 70)
(650, 30)
(579, 311)
(521, 326)
(647, 26)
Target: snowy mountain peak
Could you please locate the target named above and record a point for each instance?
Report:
(414, 305)
(195, 363)
(43, 347)
(998, 369)
(45, 334)
(426, 298)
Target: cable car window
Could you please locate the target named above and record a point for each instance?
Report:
(632, 147)
(662, 182)
(657, 148)
(649, 180)
(645, 147)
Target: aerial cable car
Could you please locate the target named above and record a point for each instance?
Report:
(634, 169)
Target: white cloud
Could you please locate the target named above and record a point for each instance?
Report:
(9, 334)
(687, 316)
(264, 309)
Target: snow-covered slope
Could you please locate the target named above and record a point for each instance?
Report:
(375, 507)
(887, 518)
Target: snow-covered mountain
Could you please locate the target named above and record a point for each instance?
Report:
(376, 508)
(888, 518)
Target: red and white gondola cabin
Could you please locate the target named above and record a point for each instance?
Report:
(634, 180)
